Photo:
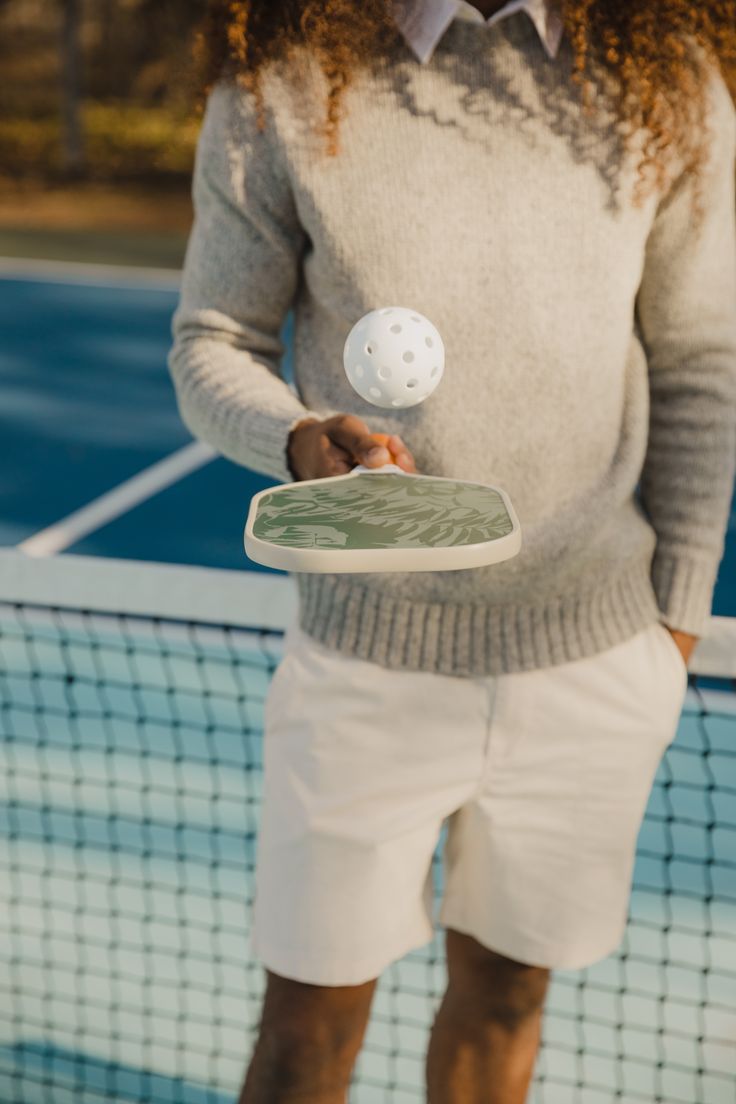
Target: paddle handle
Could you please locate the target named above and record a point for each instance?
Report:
(384, 468)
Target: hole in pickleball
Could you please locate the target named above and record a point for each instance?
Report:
(396, 328)
(370, 349)
(384, 373)
(412, 383)
(415, 319)
(434, 373)
(375, 392)
(408, 357)
(397, 402)
(388, 310)
(428, 342)
(359, 370)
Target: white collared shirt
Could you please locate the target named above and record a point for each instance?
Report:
(423, 22)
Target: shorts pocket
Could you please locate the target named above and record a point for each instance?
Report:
(275, 693)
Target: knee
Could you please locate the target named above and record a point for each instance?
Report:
(519, 1001)
(509, 1000)
(488, 988)
(308, 1040)
(305, 1025)
(283, 1068)
(300, 1058)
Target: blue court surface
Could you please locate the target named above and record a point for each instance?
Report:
(87, 403)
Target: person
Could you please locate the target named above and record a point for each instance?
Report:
(553, 186)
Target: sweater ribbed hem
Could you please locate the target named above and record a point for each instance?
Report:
(475, 639)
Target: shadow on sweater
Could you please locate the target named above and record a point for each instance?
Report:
(507, 98)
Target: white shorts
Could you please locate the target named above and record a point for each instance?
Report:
(542, 776)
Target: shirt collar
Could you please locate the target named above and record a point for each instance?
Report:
(423, 22)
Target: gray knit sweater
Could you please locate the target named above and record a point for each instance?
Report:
(591, 344)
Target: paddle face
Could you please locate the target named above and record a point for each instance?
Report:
(381, 520)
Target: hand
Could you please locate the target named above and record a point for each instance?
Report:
(684, 641)
(317, 449)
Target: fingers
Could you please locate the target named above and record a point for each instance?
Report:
(354, 437)
(402, 457)
(333, 447)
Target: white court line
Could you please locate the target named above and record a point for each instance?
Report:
(96, 275)
(118, 501)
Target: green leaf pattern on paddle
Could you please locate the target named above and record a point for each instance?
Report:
(375, 510)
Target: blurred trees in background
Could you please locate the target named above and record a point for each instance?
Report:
(101, 90)
(72, 141)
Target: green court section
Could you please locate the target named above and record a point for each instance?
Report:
(95, 246)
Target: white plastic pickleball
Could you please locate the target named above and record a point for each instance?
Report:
(394, 357)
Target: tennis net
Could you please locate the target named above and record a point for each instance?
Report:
(131, 710)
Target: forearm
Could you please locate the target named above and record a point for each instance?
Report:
(240, 276)
(235, 402)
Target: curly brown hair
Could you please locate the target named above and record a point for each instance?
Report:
(642, 51)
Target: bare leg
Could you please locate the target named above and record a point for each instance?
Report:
(486, 1034)
(309, 1039)
(469, 1063)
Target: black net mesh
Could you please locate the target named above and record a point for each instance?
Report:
(132, 773)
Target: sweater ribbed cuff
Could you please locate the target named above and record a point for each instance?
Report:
(268, 446)
(684, 587)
